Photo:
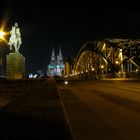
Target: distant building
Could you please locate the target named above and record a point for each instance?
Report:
(56, 66)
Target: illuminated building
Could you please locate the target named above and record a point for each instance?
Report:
(56, 66)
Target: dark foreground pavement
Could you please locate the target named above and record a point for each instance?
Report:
(31, 110)
(103, 110)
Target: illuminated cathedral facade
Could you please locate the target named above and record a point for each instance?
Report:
(56, 66)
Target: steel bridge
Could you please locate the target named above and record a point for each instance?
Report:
(105, 58)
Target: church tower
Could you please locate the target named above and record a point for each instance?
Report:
(53, 59)
(59, 57)
(56, 66)
(60, 65)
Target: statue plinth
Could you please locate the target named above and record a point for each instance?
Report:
(15, 66)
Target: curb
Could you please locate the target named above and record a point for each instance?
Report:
(66, 116)
(65, 113)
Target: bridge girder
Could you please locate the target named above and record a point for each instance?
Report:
(106, 57)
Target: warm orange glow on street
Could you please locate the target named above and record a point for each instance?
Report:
(96, 108)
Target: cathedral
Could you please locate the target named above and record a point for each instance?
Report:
(56, 66)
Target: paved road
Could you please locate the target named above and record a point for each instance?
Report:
(103, 110)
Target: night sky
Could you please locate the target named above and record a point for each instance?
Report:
(46, 24)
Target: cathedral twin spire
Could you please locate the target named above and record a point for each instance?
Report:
(56, 66)
(53, 59)
(56, 60)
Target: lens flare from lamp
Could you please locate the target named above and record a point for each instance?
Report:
(2, 34)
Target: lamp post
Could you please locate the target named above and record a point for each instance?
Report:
(2, 34)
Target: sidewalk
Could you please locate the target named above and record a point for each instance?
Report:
(31, 109)
(121, 79)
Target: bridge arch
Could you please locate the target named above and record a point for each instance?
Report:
(104, 58)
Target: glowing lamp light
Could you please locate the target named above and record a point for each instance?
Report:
(102, 66)
(66, 82)
(2, 34)
(35, 76)
(31, 76)
(117, 62)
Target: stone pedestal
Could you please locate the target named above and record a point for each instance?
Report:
(15, 66)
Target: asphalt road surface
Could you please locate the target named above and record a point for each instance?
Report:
(102, 110)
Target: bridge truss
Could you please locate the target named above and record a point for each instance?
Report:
(107, 58)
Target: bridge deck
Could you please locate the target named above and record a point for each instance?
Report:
(103, 110)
